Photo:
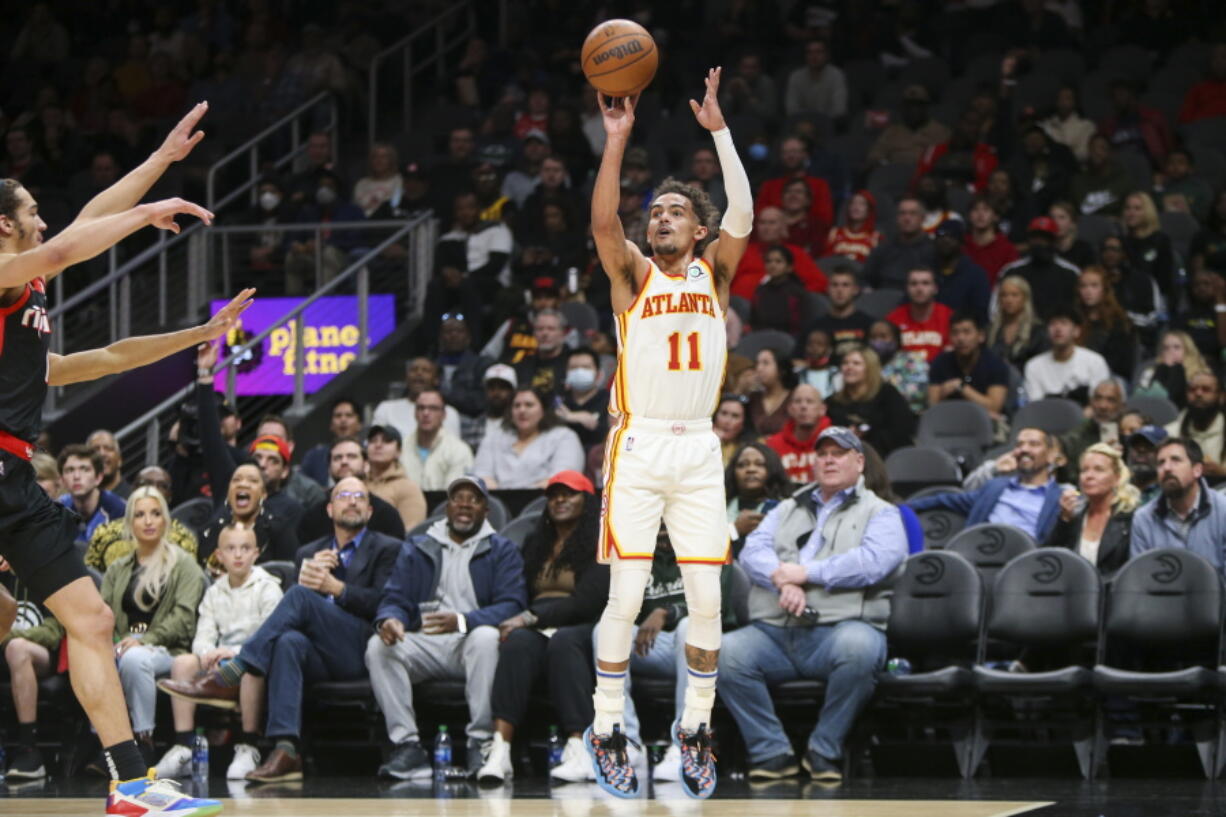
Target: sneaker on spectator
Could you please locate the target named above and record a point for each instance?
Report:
(774, 768)
(177, 762)
(576, 766)
(497, 768)
(27, 765)
(246, 760)
(669, 767)
(408, 762)
(474, 758)
(821, 769)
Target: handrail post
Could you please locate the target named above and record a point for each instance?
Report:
(319, 257)
(153, 435)
(440, 70)
(372, 113)
(112, 303)
(254, 169)
(363, 313)
(299, 360)
(125, 306)
(231, 381)
(406, 116)
(225, 263)
(162, 295)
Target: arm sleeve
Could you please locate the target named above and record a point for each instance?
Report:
(212, 445)
(738, 218)
(1141, 535)
(758, 557)
(174, 629)
(394, 601)
(510, 590)
(882, 549)
(959, 503)
(568, 453)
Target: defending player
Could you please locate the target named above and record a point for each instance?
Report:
(661, 457)
(36, 534)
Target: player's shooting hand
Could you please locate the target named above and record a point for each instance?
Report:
(708, 113)
(180, 141)
(162, 213)
(227, 317)
(618, 119)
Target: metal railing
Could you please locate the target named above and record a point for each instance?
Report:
(428, 45)
(144, 440)
(275, 133)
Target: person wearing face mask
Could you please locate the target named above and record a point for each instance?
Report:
(266, 250)
(1142, 456)
(904, 369)
(1048, 274)
(585, 404)
(1203, 422)
(328, 205)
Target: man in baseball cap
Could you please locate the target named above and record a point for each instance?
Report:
(500, 384)
(272, 455)
(1141, 454)
(1053, 281)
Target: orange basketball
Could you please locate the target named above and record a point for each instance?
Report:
(619, 58)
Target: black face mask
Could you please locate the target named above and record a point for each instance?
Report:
(1043, 253)
(1143, 474)
(932, 200)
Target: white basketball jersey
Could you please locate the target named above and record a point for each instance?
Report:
(672, 347)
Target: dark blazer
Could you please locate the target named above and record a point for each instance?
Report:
(366, 575)
(977, 506)
(1113, 548)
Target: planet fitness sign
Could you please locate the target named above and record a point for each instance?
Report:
(329, 341)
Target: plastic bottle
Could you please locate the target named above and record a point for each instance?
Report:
(442, 752)
(3, 762)
(200, 755)
(898, 666)
(555, 747)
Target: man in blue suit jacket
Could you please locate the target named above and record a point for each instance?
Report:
(1029, 500)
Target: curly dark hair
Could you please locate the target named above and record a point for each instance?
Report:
(8, 197)
(704, 210)
(578, 552)
(777, 485)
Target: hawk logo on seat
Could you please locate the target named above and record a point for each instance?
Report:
(36, 318)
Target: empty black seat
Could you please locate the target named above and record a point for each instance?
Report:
(989, 547)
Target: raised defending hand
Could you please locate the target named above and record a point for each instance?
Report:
(162, 213)
(708, 113)
(227, 318)
(618, 119)
(206, 356)
(180, 141)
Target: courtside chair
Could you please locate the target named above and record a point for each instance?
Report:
(989, 547)
(960, 427)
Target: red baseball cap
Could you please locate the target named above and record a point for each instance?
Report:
(573, 480)
(271, 442)
(1043, 224)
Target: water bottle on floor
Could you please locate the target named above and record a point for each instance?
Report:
(555, 747)
(442, 752)
(3, 761)
(898, 666)
(200, 756)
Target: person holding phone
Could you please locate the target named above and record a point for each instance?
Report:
(755, 481)
(1096, 518)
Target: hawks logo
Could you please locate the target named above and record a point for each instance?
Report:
(36, 318)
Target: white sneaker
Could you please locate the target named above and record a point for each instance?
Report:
(177, 762)
(246, 760)
(497, 767)
(576, 766)
(669, 767)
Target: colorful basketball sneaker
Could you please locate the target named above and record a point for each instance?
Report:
(150, 797)
(611, 762)
(697, 761)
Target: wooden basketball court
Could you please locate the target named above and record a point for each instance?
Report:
(389, 807)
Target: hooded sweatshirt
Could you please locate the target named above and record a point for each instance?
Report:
(231, 615)
(799, 456)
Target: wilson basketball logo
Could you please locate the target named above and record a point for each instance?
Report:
(36, 318)
(620, 51)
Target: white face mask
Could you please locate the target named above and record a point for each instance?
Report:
(580, 379)
(325, 196)
(269, 200)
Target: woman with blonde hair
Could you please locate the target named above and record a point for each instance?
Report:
(1015, 334)
(1178, 362)
(1149, 249)
(154, 592)
(868, 405)
(1096, 521)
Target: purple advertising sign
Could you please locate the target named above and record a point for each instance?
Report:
(330, 341)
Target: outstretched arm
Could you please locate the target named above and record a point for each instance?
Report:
(125, 193)
(132, 353)
(82, 240)
(724, 253)
(619, 257)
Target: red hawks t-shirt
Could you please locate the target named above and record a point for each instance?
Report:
(930, 337)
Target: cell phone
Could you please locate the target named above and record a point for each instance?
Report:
(768, 506)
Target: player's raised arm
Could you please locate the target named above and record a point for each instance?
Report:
(725, 252)
(125, 193)
(82, 240)
(618, 256)
(132, 353)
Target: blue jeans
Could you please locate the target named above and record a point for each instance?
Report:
(666, 659)
(306, 639)
(846, 655)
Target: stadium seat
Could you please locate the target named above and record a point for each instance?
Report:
(864, 77)
(1210, 165)
(879, 303)
(959, 427)
(498, 513)
(581, 316)
(1055, 415)
(740, 594)
(519, 529)
(1194, 54)
(423, 526)
(742, 307)
(535, 506)
(1065, 63)
(817, 305)
(1046, 606)
(1164, 615)
(935, 617)
(1159, 409)
(828, 264)
(1093, 228)
(1131, 61)
(989, 547)
(1138, 166)
(892, 179)
(285, 572)
(1037, 90)
(940, 525)
(912, 467)
(1210, 132)
(1181, 227)
(194, 514)
(755, 342)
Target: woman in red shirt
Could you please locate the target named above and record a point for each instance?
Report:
(859, 236)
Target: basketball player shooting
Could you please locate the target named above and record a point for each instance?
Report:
(36, 533)
(661, 458)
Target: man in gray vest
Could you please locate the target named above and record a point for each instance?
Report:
(822, 565)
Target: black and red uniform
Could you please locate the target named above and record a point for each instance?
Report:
(36, 533)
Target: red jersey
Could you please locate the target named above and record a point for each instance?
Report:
(752, 269)
(930, 337)
(821, 209)
(856, 246)
(991, 256)
(799, 456)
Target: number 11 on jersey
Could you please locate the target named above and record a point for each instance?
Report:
(674, 352)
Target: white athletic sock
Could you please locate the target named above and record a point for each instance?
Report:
(609, 700)
(699, 699)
